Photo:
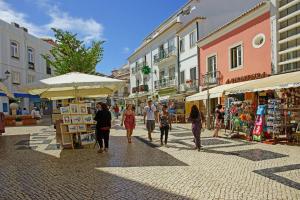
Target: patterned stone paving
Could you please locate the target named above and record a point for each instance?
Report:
(32, 166)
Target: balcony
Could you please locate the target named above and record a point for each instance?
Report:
(141, 88)
(166, 55)
(210, 78)
(166, 83)
(31, 65)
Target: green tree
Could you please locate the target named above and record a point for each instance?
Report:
(69, 54)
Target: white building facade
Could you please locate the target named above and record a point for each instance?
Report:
(171, 53)
(285, 35)
(120, 96)
(20, 57)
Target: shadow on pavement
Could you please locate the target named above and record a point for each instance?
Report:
(29, 174)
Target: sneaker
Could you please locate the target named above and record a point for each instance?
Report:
(100, 151)
(199, 149)
(106, 149)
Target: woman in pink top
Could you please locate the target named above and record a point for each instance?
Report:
(128, 120)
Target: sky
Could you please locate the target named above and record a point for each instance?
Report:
(122, 24)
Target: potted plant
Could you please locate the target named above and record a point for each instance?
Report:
(19, 121)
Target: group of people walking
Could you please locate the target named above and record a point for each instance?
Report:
(151, 116)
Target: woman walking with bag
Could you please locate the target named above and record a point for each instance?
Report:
(128, 120)
(103, 119)
(196, 117)
(164, 121)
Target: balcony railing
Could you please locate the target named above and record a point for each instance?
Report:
(210, 78)
(165, 83)
(141, 88)
(164, 54)
(138, 67)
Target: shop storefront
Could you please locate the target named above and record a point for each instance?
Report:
(275, 108)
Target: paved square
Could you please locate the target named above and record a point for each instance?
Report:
(258, 154)
(32, 166)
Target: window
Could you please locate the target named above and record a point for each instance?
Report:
(145, 80)
(181, 45)
(236, 57)
(212, 68)
(182, 78)
(161, 75)
(171, 45)
(193, 73)
(14, 49)
(259, 40)
(192, 39)
(30, 55)
(48, 66)
(30, 79)
(172, 73)
(15, 77)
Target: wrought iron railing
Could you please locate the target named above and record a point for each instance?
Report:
(163, 54)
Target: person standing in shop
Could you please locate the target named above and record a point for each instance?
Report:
(149, 113)
(103, 126)
(219, 118)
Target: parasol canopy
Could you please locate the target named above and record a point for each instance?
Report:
(4, 89)
(74, 85)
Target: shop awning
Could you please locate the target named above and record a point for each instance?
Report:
(281, 81)
(215, 92)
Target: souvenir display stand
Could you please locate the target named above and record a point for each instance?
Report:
(274, 117)
(258, 131)
(77, 127)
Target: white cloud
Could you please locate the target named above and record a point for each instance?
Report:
(9, 15)
(87, 29)
(126, 50)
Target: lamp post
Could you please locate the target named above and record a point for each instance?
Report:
(207, 80)
(7, 74)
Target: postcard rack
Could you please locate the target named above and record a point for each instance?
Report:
(77, 125)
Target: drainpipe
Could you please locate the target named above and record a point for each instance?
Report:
(178, 65)
(198, 54)
(152, 71)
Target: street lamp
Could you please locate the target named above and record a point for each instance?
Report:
(7, 74)
(209, 77)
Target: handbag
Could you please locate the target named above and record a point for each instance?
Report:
(104, 128)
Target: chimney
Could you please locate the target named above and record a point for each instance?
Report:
(25, 29)
(15, 24)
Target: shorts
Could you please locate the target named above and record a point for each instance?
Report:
(150, 125)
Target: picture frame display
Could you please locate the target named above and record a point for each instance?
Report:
(72, 128)
(88, 138)
(67, 119)
(82, 109)
(81, 128)
(76, 119)
(65, 110)
(88, 119)
(74, 109)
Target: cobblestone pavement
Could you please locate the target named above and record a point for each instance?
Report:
(32, 166)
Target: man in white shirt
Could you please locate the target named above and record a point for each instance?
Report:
(149, 112)
(35, 113)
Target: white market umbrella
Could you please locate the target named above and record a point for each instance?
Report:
(4, 89)
(74, 85)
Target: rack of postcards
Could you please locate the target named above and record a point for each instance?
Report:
(274, 117)
(78, 125)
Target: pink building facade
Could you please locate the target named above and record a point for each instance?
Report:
(238, 51)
